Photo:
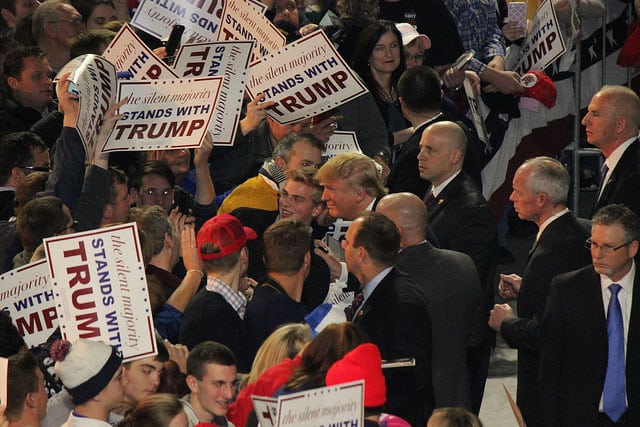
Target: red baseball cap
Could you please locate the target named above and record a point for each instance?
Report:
(539, 86)
(225, 232)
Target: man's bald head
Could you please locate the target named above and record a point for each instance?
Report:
(409, 214)
(442, 149)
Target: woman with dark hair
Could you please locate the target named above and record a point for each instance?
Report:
(379, 60)
(157, 410)
(328, 347)
(95, 13)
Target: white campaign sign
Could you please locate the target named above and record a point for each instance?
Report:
(341, 142)
(164, 114)
(243, 20)
(338, 405)
(544, 43)
(4, 370)
(227, 59)
(27, 295)
(93, 81)
(128, 53)
(304, 79)
(201, 18)
(100, 289)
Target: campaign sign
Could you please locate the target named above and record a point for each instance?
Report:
(4, 371)
(93, 81)
(129, 53)
(341, 142)
(100, 289)
(544, 43)
(242, 20)
(27, 295)
(338, 405)
(476, 113)
(164, 114)
(201, 18)
(266, 409)
(227, 59)
(304, 79)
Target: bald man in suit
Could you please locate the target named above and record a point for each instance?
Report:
(447, 278)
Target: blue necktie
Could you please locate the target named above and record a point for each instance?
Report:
(614, 404)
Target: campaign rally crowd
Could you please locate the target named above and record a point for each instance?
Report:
(275, 265)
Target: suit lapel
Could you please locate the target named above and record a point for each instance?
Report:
(378, 294)
(627, 157)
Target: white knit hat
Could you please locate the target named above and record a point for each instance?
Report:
(85, 367)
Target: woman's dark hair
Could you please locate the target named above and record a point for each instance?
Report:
(367, 41)
(328, 347)
(156, 410)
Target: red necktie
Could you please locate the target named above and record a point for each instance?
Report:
(357, 302)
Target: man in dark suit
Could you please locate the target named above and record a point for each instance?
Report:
(420, 97)
(589, 373)
(461, 220)
(611, 124)
(540, 191)
(447, 278)
(393, 311)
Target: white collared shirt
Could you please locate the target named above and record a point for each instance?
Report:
(549, 221)
(614, 158)
(436, 190)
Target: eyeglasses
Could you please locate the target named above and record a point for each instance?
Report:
(76, 20)
(607, 249)
(417, 57)
(155, 192)
(37, 168)
(289, 7)
(73, 226)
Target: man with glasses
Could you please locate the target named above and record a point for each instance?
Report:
(414, 44)
(20, 154)
(55, 24)
(156, 185)
(29, 102)
(540, 191)
(590, 336)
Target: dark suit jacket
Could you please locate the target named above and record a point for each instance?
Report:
(623, 182)
(560, 249)
(404, 174)
(396, 318)
(462, 221)
(448, 279)
(573, 356)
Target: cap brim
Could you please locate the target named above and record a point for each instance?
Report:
(250, 233)
(424, 40)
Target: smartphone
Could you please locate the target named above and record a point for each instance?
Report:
(183, 201)
(463, 60)
(174, 39)
(517, 13)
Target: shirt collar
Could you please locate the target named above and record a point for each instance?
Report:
(373, 283)
(549, 221)
(235, 299)
(616, 155)
(436, 190)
